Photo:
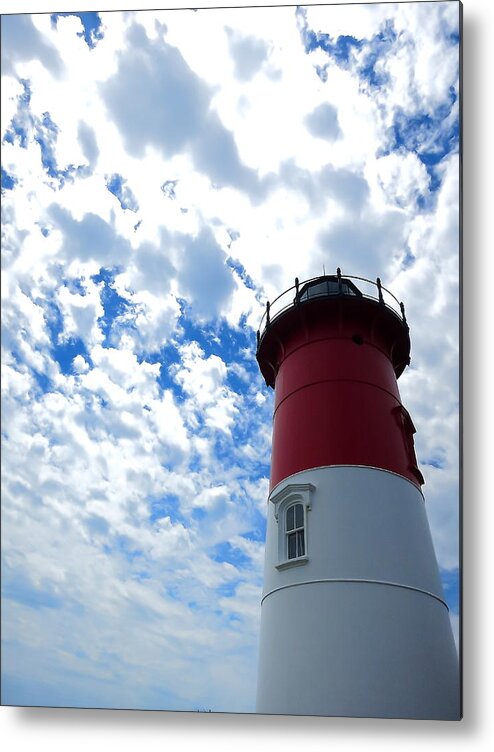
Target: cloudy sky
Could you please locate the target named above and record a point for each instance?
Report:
(163, 175)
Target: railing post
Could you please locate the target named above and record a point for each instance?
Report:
(381, 299)
(258, 337)
(267, 313)
(338, 274)
(402, 307)
(296, 286)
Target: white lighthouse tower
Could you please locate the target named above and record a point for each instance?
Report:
(353, 617)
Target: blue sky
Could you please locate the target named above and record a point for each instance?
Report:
(163, 174)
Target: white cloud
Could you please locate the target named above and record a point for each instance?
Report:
(200, 377)
(203, 380)
(260, 398)
(81, 312)
(323, 122)
(402, 177)
(80, 365)
(249, 54)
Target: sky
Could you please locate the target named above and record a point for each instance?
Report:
(164, 173)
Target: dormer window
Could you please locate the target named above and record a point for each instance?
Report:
(408, 429)
(292, 505)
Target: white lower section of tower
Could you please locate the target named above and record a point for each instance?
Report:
(356, 624)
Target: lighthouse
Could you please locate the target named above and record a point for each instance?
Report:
(353, 616)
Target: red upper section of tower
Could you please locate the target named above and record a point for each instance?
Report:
(333, 357)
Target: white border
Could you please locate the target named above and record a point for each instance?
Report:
(80, 730)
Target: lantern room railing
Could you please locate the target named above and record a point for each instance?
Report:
(366, 287)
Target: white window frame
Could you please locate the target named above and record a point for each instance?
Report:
(295, 493)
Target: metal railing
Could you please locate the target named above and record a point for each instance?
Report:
(290, 297)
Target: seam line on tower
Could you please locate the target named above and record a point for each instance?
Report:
(327, 381)
(356, 580)
(324, 339)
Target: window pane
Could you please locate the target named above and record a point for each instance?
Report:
(299, 515)
(300, 543)
(292, 545)
(333, 287)
(290, 524)
(316, 290)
